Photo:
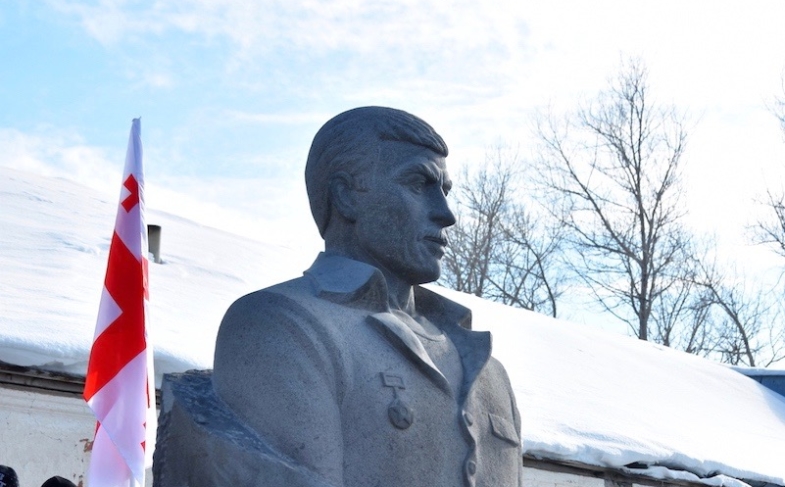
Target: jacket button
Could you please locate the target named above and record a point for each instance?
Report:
(467, 416)
(471, 467)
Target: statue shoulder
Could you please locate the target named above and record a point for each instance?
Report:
(270, 305)
(273, 329)
(283, 294)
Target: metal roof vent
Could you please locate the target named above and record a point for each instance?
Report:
(154, 242)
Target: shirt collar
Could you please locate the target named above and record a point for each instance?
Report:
(359, 285)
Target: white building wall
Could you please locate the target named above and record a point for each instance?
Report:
(533, 477)
(43, 434)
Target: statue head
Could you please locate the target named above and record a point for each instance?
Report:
(377, 180)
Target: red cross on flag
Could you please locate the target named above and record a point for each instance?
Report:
(119, 387)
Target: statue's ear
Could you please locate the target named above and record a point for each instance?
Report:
(343, 195)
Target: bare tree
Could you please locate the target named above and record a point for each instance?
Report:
(756, 332)
(616, 165)
(483, 202)
(770, 230)
(746, 322)
(500, 248)
(527, 263)
(682, 318)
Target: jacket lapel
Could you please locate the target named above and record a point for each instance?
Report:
(455, 320)
(407, 342)
(474, 347)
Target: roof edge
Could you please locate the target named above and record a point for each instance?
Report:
(617, 477)
(43, 381)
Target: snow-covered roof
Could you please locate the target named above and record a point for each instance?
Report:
(585, 395)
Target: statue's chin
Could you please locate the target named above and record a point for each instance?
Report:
(424, 276)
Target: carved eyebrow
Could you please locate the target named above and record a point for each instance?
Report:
(434, 177)
(427, 171)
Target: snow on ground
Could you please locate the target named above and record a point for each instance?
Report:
(585, 395)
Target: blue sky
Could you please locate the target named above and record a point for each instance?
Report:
(231, 92)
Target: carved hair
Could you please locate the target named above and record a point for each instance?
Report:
(350, 142)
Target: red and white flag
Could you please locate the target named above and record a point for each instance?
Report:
(120, 387)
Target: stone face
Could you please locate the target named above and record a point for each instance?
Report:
(352, 375)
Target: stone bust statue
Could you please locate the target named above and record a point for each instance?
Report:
(353, 375)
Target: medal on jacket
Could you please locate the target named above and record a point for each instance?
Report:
(400, 413)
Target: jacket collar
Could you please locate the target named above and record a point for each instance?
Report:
(348, 282)
(359, 285)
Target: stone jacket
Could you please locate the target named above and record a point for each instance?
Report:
(330, 378)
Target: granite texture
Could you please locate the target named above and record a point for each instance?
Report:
(201, 442)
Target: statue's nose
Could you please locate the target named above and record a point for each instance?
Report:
(441, 212)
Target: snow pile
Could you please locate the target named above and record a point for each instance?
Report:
(53, 251)
(603, 399)
(585, 395)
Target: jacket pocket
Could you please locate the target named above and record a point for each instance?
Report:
(504, 429)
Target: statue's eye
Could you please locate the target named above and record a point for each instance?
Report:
(417, 183)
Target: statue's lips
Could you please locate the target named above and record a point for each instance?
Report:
(441, 241)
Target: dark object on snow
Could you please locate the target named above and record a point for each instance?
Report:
(8, 477)
(58, 481)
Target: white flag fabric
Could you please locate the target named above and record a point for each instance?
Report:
(119, 386)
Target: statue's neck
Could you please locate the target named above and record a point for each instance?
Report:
(400, 294)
